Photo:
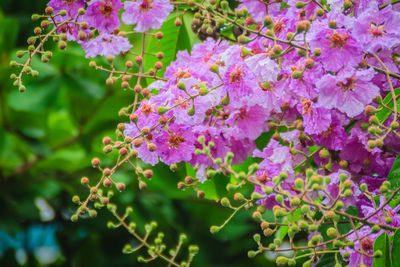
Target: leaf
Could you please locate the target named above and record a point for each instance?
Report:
(327, 260)
(394, 174)
(385, 113)
(396, 248)
(382, 243)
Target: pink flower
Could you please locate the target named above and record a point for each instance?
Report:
(106, 45)
(146, 14)
(338, 47)
(103, 15)
(71, 6)
(350, 91)
(378, 29)
(175, 144)
(316, 119)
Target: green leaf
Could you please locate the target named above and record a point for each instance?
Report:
(382, 243)
(385, 113)
(394, 174)
(327, 260)
(396, 248)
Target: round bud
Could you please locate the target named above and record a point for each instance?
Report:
(107, 182)
(158, 65)
(332, 24)
(200, 194)
(281, 261)
(178, 22)
(95, 162)
(159, 35)
(309, 63)
(107, 172)
(85, 181)
(331, 232)
(121, 186)
(320, 12)
(49, 10)
(148, 173)
(151, 147)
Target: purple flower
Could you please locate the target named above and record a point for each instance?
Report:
(350, 91)
(316, 119)
(146, 14)
(366, 245)
(378, 29)
(276, 158)
(368, 210)
(248, 122)
(175, 144)
(106, 45)
(238, 81)
(71, 6)
(338, 47)
(334, 138)
(103, 15)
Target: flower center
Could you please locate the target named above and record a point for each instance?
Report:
(348, 85)
(338, 40)
(367, 244)
(377, 30)
(306, 106)
(242, 113)
(106, 9)
(328, 132)
(145, 6)
(68, 2)
(175, 140)
(146, 109)
(180, 74)
(278, 27)
(236, 75)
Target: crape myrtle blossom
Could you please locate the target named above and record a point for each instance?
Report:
(103, 15)
(378, 29)
(349, 91)
(232, 94)
(146, 14)
(71, 6)
(106, 45)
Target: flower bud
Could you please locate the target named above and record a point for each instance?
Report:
(85, 181)
(281, 261)
(331, 232)
(215, 229)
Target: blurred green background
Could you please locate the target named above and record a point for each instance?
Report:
(48, 136)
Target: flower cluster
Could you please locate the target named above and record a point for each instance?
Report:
(315, 76)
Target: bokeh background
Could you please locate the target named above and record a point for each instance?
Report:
(48, 136)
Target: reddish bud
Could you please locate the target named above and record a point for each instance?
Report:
(121, 186)
(159, 35)
(129, 64)
(145, 92)
(106, 140)
(134, 117)
(151, 147)
(309, 63)
(158, 65)
(49, 10)
(123, 151)
(139, 59)
(96, 162)
(145, 130)
(148, 173)
(107, 182)
(137, 142)
(107, 172)
(84, 180)
(163, 119)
